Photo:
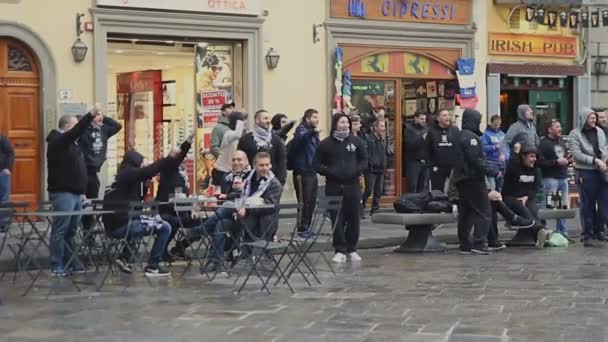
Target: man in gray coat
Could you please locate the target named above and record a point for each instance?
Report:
(524, 124)
(590, 150)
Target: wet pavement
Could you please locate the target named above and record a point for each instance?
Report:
(516, 295)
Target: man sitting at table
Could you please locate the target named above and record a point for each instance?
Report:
(129, 186)
(222, 220)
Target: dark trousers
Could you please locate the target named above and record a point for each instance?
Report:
(417, 175)
(92, 193)
(593, 192)
(439, 175)
(306, 191)
(346, 224)
(474, 211)
(529, 211)
(498, 207)
(374, 183)
(217, 176)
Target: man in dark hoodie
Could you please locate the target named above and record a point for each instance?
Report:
(302, 154)
(441, 148)
(262, 139)
(470, 177)
(416, 170)
(524, 124)
(67, 182)
(342, 158)
(94, 144)
(129, 186)
(7, 161)
(281, 125)
(377, 156)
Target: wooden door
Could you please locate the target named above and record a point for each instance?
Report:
(20, 117)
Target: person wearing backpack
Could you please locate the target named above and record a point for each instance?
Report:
(300, 156)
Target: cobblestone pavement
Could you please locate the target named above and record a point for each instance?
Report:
(516, 295)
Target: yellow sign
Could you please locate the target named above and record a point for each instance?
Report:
(533, 45)
(416, 64)
(375, 63)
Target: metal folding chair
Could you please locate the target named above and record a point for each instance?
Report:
(187, 206)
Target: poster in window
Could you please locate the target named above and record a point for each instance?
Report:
(169, 94)
(431, 89)
(410, 107)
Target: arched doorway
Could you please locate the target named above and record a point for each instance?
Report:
(20, 116)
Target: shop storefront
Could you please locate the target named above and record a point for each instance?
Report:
(533, 62)
(401, 56)
(167, 73)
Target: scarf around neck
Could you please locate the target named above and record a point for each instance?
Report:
(264, 183)
(262, 137)
(341, 135)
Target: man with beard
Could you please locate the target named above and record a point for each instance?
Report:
(524, 124)
(416, 170)
(441, 148)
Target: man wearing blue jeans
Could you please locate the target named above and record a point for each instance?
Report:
(67, 181)
(7, 161)
(554, 166)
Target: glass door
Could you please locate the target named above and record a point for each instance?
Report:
(549, 105)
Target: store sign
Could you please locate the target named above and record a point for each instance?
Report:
(426, 11)
(247, 7)
(532, 45)
(213, 99)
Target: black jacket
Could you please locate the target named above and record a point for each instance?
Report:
(277, 152)
(441, 146)
(377, 152)
(7, 154)
(226, 185)
(521, 181)
(94, 142)
(263, 222)
(550, 151)
(128, 186)
(473, 166)
(341, 161)
(171, 179)
(67, 171)
(415, 145)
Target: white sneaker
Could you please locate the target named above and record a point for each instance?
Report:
(354, 256)
(339, 258)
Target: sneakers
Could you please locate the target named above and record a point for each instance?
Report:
(520, 222)
(354, 256)
(496, 246)
(59, 273)
(339, 258)
(465, 250)
(542, 236)
(124, 266)
(233, 257)
(481, 250)
(156, 272)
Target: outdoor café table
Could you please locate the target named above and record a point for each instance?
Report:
(36, 239)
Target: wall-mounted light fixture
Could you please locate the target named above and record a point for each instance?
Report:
(272, 58)
(79, 48)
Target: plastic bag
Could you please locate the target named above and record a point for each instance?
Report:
(557, 240)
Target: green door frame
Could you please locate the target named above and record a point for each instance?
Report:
(556, 96)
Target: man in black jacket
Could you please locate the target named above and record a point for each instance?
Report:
(261, 139)
(7, 161)
(470, 177)
(374, 175)
(342, 158)
(94, 145)
(129, 186)
(416, 154)
(67, 182)
(441, 148)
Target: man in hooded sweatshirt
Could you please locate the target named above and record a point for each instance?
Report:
(443, 154)
(474, 208)
(524, 124)
(217, 134)
(341, 158)
(262, 139)
(589, 148)
(67, 183)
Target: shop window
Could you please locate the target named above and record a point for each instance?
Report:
(18, 60)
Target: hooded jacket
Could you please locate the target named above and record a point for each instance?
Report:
(303, 147)
(473, 166)
(492, 138)
(341, 162)
(415, 149)
(377, 152)
(7, 154)
(522, 126)
(128, 186)
(170, 178)
(94, 142)
(217, 134)
(441, 145)
(522, 181)
(67, 171)
(281, 131)
(581, 148)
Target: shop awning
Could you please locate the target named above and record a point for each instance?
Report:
(536, 69)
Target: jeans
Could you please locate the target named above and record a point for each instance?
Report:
(593, 191)
(554, 185)
(306, 191)
(5, 192)
(417, 174)
(374, 182)
(439, 175)
(216, 226)
(137, 230)
(474, 211)
(63, 229)
(92, 193)
(346, 225)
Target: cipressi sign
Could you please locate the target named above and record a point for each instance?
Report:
(244, 7)
(532, 45)
(456, 12)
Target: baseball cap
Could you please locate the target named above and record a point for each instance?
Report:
(227, 105)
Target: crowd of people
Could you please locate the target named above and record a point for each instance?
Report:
(484, 173)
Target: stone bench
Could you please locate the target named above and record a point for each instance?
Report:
(420, 227)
